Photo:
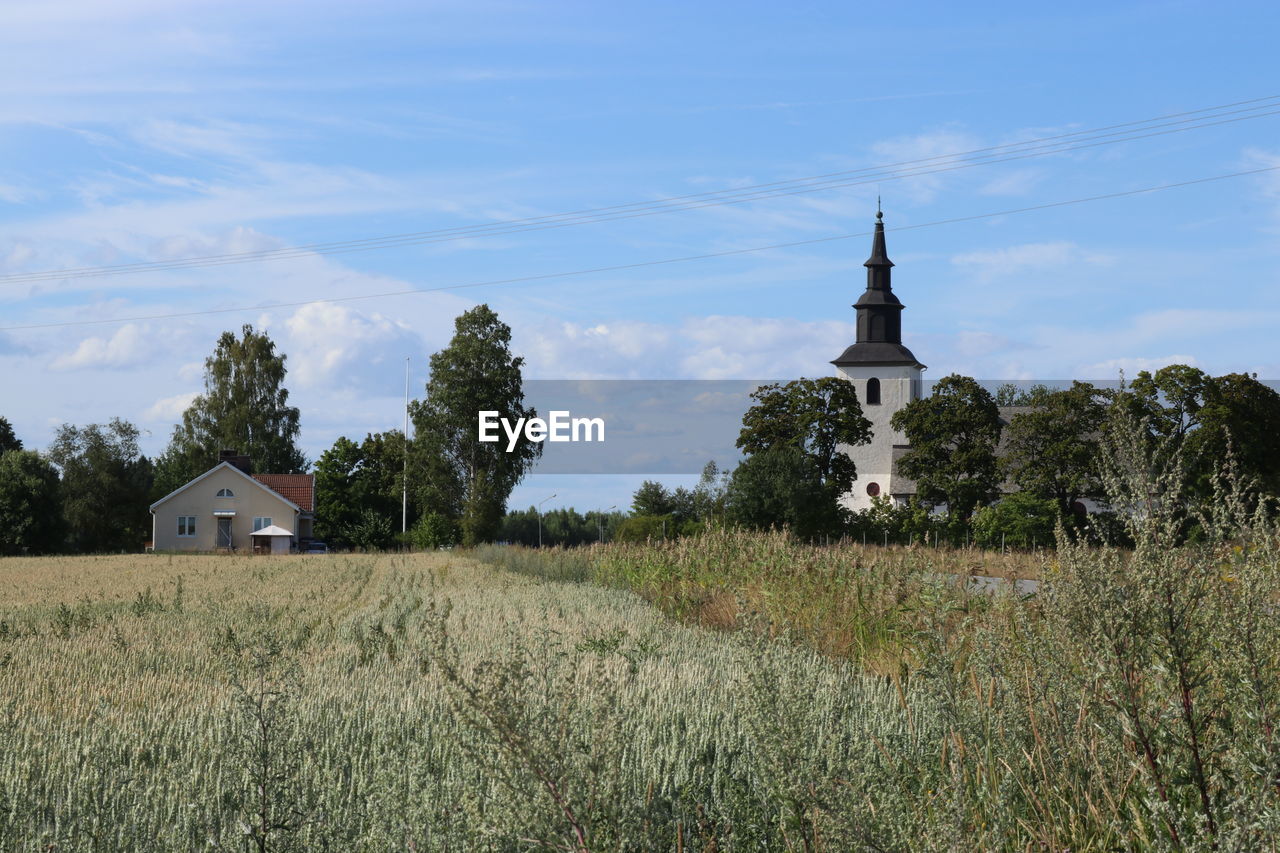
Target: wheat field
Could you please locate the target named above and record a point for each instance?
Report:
(418, 702)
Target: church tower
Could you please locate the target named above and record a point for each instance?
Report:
(887, 377)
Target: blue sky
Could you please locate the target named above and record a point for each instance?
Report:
(142, 131)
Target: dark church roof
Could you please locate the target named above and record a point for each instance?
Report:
(877, 353)
(879, 314)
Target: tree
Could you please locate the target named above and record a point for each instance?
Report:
(1051, 451)
(953, 436)
(30, 505)
(337, 503)
(1240, 412)
(458, 475)
(354, 478)
(1201, 416)
(8, 440)
(816, 419)
(780, 487)
(815, 416)
(244, 407)
(105, 483)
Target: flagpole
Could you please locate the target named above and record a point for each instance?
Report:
(404, 495)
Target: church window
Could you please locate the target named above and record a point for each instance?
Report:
(873, 392)
(873, 489)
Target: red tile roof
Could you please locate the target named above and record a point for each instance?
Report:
(299, 488)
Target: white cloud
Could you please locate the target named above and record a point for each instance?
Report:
(1112, 367)
(130, 346)
(716, 347)
(934, 146)
(1017, 260)
(169, 408)
(338, 346)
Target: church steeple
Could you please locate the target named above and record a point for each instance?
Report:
(879, 338)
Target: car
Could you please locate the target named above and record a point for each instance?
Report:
(317, 548)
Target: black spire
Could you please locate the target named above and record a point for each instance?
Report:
(879, 311)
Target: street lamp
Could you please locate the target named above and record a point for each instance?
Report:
(540, 503)
(601, 520)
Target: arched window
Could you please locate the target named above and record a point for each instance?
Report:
(226, 493)
(873, 391)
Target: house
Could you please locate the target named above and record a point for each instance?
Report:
(227, 508)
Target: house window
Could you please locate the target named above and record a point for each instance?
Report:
(226, 493)
(261, 522)
(873, 392)
(186, 525)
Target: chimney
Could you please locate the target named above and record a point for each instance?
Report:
(236, 459)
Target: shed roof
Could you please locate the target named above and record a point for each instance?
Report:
(272, 530)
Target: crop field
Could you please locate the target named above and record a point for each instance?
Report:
(423, 702)
(737, 692)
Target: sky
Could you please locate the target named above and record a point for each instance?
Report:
(141, 131)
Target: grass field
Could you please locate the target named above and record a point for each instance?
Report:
(735, 692)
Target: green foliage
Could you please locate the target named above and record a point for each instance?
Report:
(1020, 520)
(30, 505)
(781, 488)
(560, 527)
(353, 478)
(244, 407)
(369, 531)
(886, 522)
(1051, 451)
(645, 528)
(814, 416)
(953, 435)
(457, 474)
(105, 484)
(434, 531)
(8, 440)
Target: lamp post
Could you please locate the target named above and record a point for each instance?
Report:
(540, 503)
(601, 520)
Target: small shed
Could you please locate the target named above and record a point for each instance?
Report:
(272, 540)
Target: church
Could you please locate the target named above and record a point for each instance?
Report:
(887, 376)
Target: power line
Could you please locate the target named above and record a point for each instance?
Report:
(1078, 140)
(640, 264)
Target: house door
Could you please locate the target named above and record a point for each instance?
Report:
(224, 533)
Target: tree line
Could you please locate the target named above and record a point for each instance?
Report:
(979, 477)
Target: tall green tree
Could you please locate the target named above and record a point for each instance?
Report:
(8, 440)
(780, 487)
(1202, 416)
(244, 407)
(1051, 450)
(816, 417)
(953, 435)
(457, 475)
(105, 486)
(30, 505)
(354, 479)
(797, 430)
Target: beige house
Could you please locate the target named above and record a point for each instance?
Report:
(223, 509)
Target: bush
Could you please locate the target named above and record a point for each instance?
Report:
(1020, 520)
(434, 531)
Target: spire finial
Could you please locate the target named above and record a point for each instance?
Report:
(879, 213)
